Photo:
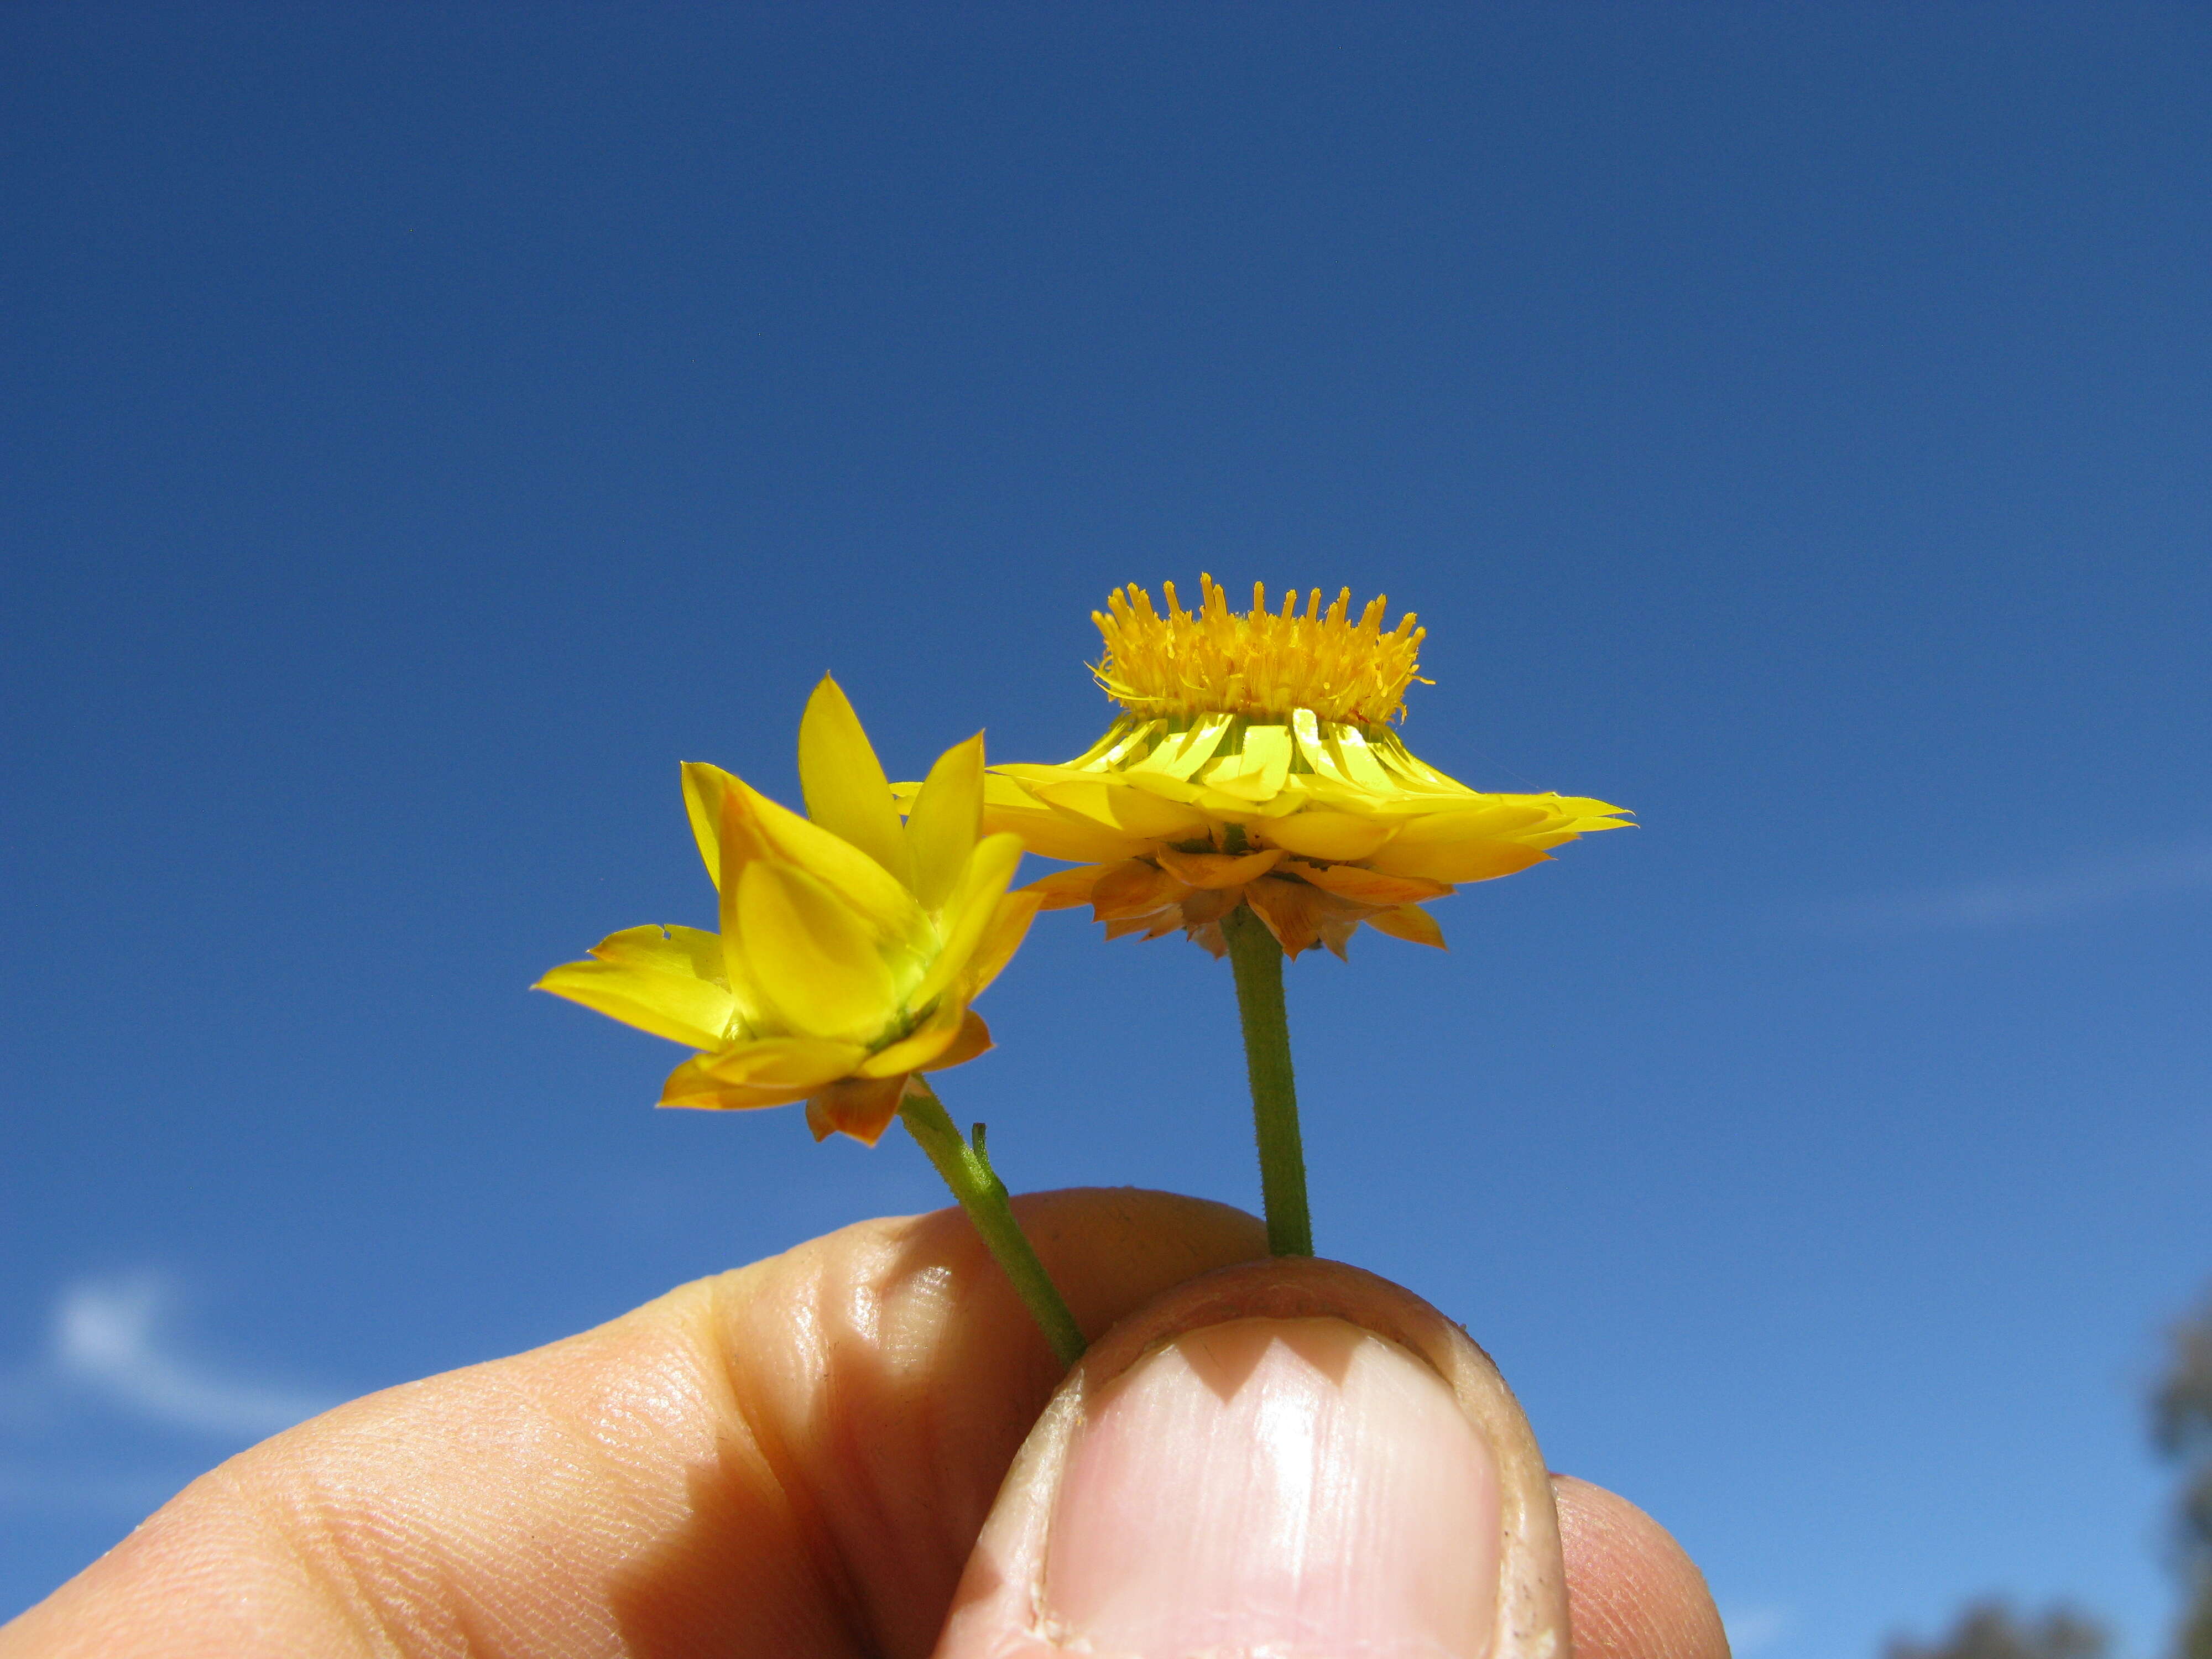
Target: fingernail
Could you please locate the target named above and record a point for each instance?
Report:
(1291, 1488)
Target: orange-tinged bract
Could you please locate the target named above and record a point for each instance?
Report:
(1255, 763)
(850, 945)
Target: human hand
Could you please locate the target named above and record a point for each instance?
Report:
(796, 1459)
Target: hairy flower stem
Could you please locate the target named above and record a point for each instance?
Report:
(967, 1170)
(1258, 962)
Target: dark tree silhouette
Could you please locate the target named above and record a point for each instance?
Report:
(1990, 1630)
(2181, 1421)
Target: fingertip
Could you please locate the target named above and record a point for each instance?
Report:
(1110, 1249)
(1632, 1592)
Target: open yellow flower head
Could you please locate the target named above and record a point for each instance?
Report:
(851, 942)
(1254, 762)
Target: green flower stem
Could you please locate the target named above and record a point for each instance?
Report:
(967, 1170)
(1258, 962)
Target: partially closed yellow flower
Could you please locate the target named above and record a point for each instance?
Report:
(1255, 763)
(850, 943)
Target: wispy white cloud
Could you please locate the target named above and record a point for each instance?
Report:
(115, 1350)
(114, 1340)
(1753, 1630)
(2053, 896)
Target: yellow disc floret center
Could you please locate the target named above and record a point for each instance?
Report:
(1217, 662)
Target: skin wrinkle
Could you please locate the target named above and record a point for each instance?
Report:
(724, 1315)
(732, 1436)
(867, 1511)
(400, 1585)
(578, 1456)
(957, 1521)
(847, 1420)
(419, 1599)
(927, 1305)
(259, 1510)
(661, 1399)
(490, 1624)
(597, 1463)
(627, 1435)
(827, 1417)
(865, 1400)
(956, 1424)
(309, 1543)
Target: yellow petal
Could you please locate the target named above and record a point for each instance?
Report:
(910, 1053)
(946, 817)
(1471, 843)
(969, 913)
(792, 1062)
(1258, 773)
(847, 793)
(1010, 925)
(691, 1084)
(1009, 808)
(814, 960)
(1367, 886)
(1319, 793)
(1160, 786)
(1582, 807)
(735, 970)
(1049, 835)
(1220, 808)
(1336, 836)
(1125, 743)
(1305, 726)
(1133, 810)
(1342, 752)
(1179, 754)
(681, 1007)
(1455, 862)
(743, 846)
(689, 951)
(1218, 869)
(704, 788)
(1497, 817)
(862, 1107)
(1408, 921)
(1404, 770)
(856, 877)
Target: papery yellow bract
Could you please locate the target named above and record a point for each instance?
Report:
(1256, 764)
(851, 943)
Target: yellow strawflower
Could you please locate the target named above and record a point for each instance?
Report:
(851, 943)
(1255, 763)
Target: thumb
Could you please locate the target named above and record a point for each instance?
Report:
(1291, 1458)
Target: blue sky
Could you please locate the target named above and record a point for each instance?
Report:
(427, 426)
